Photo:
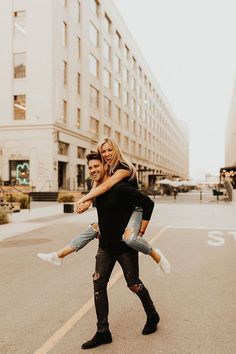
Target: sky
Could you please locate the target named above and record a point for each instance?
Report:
(190, 46)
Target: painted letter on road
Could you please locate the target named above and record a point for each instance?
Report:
(216, 238)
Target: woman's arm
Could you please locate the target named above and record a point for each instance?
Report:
(105, 186)
(81, 207)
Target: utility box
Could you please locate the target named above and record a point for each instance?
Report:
(68, 208)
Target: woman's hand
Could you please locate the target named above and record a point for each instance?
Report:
(80, 207)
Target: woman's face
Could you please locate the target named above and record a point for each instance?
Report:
(107, 152)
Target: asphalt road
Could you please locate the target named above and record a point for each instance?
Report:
(44, 308)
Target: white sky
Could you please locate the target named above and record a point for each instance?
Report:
(190, 45)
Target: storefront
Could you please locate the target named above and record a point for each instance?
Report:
(228, 173)
(19, 172)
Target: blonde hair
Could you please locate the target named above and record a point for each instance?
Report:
(117, 156)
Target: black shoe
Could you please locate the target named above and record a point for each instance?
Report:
(151, 324)
(98, 339)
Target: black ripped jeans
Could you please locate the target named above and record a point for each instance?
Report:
(104, 265)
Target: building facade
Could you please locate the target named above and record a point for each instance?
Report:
(230, 138)
(72, 74)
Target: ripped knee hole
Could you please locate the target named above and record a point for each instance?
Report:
(128, 232)
(136, 288)
(95, 227)
(96, 276)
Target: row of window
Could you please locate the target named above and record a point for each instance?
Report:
(20, 113)
(63, 149)
(19, 59)
(94, 38)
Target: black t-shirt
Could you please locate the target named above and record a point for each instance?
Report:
(123, 166)
(114, 209)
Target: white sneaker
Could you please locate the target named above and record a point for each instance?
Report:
(163, 266)
(51, 258)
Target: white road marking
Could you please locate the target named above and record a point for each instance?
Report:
(217, 238)
(233, 233)
(68, 325)
(203, 227)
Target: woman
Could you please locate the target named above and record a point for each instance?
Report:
(119, 168)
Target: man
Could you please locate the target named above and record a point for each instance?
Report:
(114, 209)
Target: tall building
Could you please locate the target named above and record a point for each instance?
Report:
(230, 139)
(71, 74)
(229, 171)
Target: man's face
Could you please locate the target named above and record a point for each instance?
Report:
(96, 170)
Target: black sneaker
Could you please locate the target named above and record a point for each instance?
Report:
(151, 324)
(98, 339)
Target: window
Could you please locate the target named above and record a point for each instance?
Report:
(140, 130)
(126, 52)
(126, 74)
(132, 104)
(116, 88)
(107, 130)
(133, 125)
(145, 80)
(133, 146)
(132, 83)
(107, 23)
(133, 63)
(117, 137)
(107, 51)
(78, 47)
(138, 110)
(140, 150)
(107, 78)
(93, 65)
(94, 97)
(107, 107)
(19, 172)
(126, 97)
(117, 39)
(65, 73)
(63, 148)
(64, 116)
(93, 34)
(78, 119)
(81, 176)
(117, 63)
(126, 143)
(64, 34)
(80, 152)
(126, 121)
(78, 11)
(117, 114)
(19, 107)
(94, 6)
(19, 65)
(139, 91)
(78, 83)
(20, 23)
(140, 72)
(94, 125)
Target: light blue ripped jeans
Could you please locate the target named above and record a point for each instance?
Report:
(134, 241)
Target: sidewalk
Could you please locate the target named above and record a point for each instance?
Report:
(27, 220)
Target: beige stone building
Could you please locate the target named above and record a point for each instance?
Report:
(230, 139)
(71, 74)
(228, 172)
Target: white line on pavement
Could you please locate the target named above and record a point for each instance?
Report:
(68, 325)
(202, 227)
